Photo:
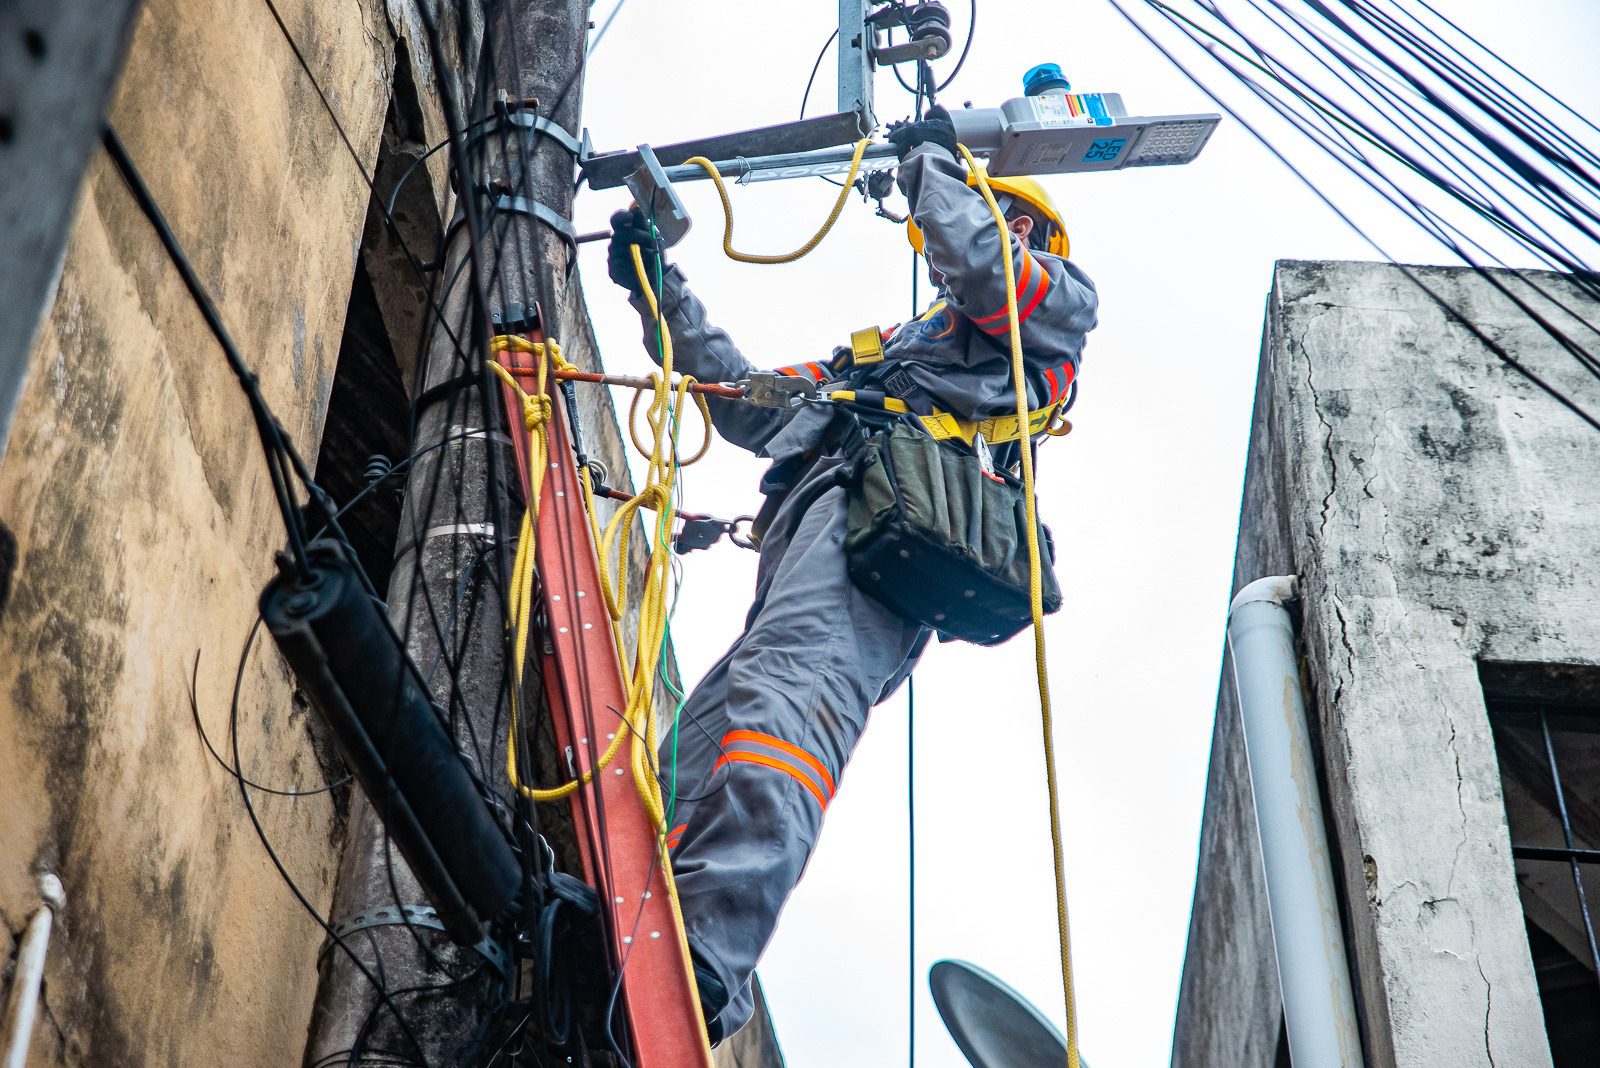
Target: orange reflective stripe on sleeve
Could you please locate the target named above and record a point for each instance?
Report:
(1000, 322)
(779, 744)
(1044, 287)
(675, 835)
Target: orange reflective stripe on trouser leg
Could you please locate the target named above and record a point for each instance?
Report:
(784, 756)
(733, 737)
(781, 765)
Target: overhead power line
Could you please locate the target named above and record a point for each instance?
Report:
(1412, 108)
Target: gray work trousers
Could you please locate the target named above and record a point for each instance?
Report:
(765, 737)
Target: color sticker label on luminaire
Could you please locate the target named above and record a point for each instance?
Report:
(1054, 109)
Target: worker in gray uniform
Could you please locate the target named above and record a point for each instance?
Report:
(764, 739)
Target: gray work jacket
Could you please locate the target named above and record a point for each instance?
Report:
(957, 358)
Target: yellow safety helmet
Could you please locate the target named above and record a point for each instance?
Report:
(1022, 188)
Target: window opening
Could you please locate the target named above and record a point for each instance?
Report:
(1548, 745)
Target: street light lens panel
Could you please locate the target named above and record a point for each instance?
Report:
(1166, 143)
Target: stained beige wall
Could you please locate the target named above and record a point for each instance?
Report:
(138, 495)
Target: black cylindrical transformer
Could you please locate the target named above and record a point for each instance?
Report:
(351, 664)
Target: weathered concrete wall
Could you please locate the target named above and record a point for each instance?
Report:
(1439, 509)
(1230, 1008)
(146, 528)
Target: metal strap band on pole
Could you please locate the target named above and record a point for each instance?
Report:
(544, 213)
(447, 530)
(532, 120)
(411, 916)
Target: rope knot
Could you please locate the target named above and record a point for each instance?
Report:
(535, 410)
(656, 496)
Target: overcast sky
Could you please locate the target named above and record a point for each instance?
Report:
(1143, 497)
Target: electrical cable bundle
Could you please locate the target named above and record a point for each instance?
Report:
(1455, 139)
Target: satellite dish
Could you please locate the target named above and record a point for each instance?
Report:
(994, 1025)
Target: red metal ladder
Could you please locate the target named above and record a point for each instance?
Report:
(583, 683)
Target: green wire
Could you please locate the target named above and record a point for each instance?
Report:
(664, 544)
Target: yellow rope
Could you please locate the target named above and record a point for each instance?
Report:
(653, 608)
(1036, 599)
(639, 715)
(788, 257)
(535, 416)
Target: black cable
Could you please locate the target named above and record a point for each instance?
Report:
(1444, 305)
(832, 37)
(361, 168)
(1582, 278)
(1326, 108)
(194, 711)
(299, 895)
(972, 29)
(911, 868)
(601, 35)
(274, 439)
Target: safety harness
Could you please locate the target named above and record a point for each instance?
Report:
(853, 376)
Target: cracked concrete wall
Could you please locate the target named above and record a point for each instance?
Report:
(146, 527)
(1439, 509)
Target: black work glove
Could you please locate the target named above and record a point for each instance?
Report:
(934, 128)
(629, 228)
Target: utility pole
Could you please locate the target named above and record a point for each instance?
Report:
(456, 531)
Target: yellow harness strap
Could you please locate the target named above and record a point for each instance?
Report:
(866, 346)
(942, 426)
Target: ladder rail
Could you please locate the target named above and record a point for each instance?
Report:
(584, 688)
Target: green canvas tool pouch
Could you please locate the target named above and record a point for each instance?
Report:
(942, 543)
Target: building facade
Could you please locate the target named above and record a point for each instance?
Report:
(142, 523)
(1439, 511)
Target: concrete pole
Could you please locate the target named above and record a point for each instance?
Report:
(457, 527)
(1318, 1006)
(58, 64)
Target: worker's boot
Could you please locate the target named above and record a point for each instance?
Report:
(713, 999)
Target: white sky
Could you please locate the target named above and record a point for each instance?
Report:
(1143, 497)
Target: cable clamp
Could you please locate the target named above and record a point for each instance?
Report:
(411, 916)
(770, 390)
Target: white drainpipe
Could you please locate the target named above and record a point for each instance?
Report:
(22, 1007)
(1313, 971)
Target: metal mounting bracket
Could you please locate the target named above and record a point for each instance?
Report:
(854, 120)
(658, 199)
(856, 61)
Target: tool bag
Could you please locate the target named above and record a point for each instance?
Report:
(933, 536)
